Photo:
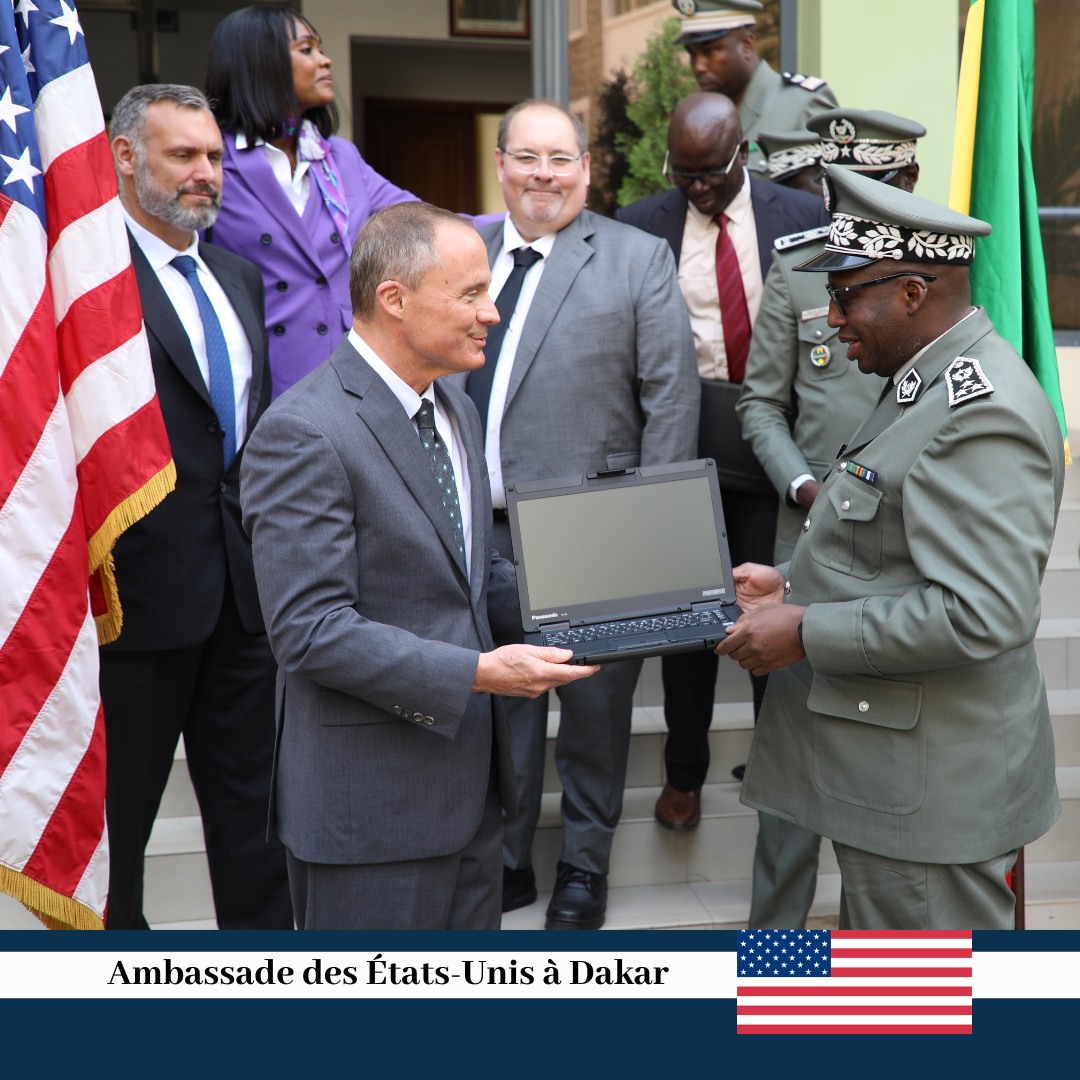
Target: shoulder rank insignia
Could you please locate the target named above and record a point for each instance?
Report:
(797, 239)
(966, 380)
(909, 388)
(807, 82)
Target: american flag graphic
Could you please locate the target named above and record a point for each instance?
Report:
(83, 454)
(832, 982)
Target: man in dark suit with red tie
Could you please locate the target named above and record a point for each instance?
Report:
(193, 657)
(721, 224)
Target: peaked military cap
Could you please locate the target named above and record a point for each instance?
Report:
(872, 222)
(866, 140)
(704, 20)
(788, 152)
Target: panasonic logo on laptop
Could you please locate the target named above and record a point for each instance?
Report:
(548, 615)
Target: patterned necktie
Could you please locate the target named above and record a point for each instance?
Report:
(217, 355)
(443, 468)
(478, 384)
(734, 314)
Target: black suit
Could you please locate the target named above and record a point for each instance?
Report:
(690, 678)
(193, 656)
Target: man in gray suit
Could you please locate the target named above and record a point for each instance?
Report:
(595, 372)
(366, 496)
(906, 716)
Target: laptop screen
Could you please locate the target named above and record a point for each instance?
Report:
(629, 548)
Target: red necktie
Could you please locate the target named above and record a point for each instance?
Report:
(734, 314)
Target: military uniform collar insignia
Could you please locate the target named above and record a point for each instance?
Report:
(966, 380)
(908, 388)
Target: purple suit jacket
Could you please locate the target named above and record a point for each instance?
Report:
(303, 261)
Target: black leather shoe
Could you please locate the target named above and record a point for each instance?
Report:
(579, 901)
(738, 772)
(519, 888)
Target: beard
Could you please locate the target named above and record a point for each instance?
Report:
(162, 203)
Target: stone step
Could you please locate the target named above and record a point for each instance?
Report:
(1057, 646)
(1067, 534)
(1060, 593)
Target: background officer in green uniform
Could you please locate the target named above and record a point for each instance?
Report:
(719, 36)
(792, 158)
(906, 715)
(800, 399)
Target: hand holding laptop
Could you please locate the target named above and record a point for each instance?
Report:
(527, 670)
(757, 584)
(769, 634)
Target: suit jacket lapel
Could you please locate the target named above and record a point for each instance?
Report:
(163, 322)
(570, 253)
(947, 348)
(384, 416)
(768, 220)
(251, 320)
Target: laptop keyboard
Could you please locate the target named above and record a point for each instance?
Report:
(576, 635)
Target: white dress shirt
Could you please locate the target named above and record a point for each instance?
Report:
(295, 183)
(697, 276)
(500, 271)
(159, 255)
(444, 425)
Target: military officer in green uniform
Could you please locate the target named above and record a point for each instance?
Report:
(792, 158)
(801, 398)
(906, 716)
(719, 36)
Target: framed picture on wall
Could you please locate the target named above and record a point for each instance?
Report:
(489, 18)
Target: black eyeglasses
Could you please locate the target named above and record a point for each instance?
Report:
(842, 295)
(707, 176)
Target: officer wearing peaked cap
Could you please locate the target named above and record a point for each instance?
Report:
(906, 717)
(719, 36)
(800, 399)
(792, 158)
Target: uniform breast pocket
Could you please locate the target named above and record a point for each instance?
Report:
(869, 748)
(820, 351)
(847, 528)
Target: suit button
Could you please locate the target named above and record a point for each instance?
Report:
(397, 709)
(282, 286)
(322, 328)
(223, 487)
(265, 238)
(212, 427)
(429, 720)
(320, 280)
(845, 505)
(335, 238)
(864, 706)
(279, 330)
(806, 525)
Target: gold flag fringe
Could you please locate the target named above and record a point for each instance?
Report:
(56, 912)
(1068, 454)
(100, 545)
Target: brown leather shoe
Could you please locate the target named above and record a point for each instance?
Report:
(679, 811)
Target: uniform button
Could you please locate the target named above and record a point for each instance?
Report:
(335, 238)
(842, 466)
(223, 487)
(279, 330)
(806, 525)
(864, 706)
(212, 427)
(322, 328)
(429, 721)
(265, 238)
(845, 505)
(320, 280)
(787, 588)
(817, 334)
(282, 286)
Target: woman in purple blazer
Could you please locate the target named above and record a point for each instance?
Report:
(294, 195)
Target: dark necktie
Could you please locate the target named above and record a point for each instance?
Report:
(479, 382)
(443, 468)
(217, 355)
(734, 314)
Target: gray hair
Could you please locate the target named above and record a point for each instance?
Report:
(129, 116)
(397, 243)
(580, 133)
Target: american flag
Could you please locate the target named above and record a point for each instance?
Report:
(832, 982)
(83, 454)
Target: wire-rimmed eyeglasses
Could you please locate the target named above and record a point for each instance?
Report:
(528, 163)
(842, 295)
(707, 176)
